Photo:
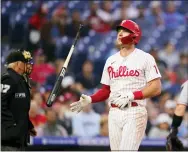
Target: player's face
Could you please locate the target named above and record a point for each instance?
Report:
(121, 33)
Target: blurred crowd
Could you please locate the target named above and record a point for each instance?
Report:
(92, 121)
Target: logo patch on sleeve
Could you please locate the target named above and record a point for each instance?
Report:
(20, 95)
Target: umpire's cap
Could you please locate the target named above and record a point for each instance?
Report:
(20, 55)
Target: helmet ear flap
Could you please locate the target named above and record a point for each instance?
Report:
(129, 39)
(133, 27)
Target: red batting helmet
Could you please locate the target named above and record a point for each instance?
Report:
(134, 36)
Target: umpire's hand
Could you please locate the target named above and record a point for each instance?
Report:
(33, 132)
(78, 106)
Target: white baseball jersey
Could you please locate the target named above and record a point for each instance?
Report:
(131, 73)
(125, 74)
(183, 98)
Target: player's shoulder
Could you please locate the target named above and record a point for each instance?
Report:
(113, 57)
(185, 84)
(143, 54)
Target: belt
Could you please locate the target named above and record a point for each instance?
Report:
(133, 104)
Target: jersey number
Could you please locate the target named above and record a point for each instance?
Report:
(156, 69)
(4, 88)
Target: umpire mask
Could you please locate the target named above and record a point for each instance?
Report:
(23, 56)
(28, 62)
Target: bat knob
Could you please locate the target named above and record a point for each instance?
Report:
(49, 104)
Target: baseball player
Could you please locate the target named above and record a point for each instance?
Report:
(129, 77)
(173, 143)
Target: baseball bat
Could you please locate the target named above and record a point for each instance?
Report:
(61, 75)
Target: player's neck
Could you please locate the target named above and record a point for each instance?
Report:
(125, 51)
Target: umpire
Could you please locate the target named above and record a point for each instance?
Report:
(16, 127)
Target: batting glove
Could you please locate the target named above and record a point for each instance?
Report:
(79, 105)
(122, 100)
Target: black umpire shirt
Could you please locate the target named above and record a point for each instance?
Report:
(15, 105)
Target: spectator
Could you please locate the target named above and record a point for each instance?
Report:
(65, 121)
(34, 87)
(126, 11)
(161, 63)
(72, 28)
(36, 117)
(45, 91)
(39, 100)
(52, 30)
(38, 19)
(143, 21)
(34, 26)
(87, 78)
(105, 13)
(168, 77)
(52, 128)
(161, 130)
(165, 95)
(153, 112)
(104, 125)
(94, 21)
(68, 89)
(86, 123)
(41, 69)
(169, 107)
(156, 14)
(172, 18)
(51, 79)
(181, 68)
(169, 55)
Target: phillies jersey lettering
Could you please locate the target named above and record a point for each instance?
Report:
(131, 73)
(122, 72)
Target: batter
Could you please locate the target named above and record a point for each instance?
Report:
(129, 77)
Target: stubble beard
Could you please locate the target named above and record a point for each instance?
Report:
(118, 45)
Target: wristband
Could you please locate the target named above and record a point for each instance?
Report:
(176, 122)
(138, 95)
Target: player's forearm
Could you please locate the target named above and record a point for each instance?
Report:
(152, 89)
(180, 110)
(178, 116)
(101, 95)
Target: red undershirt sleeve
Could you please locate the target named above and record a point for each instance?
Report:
(101, 95)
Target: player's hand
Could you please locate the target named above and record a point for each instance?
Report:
(122, 100)
(79, 105)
